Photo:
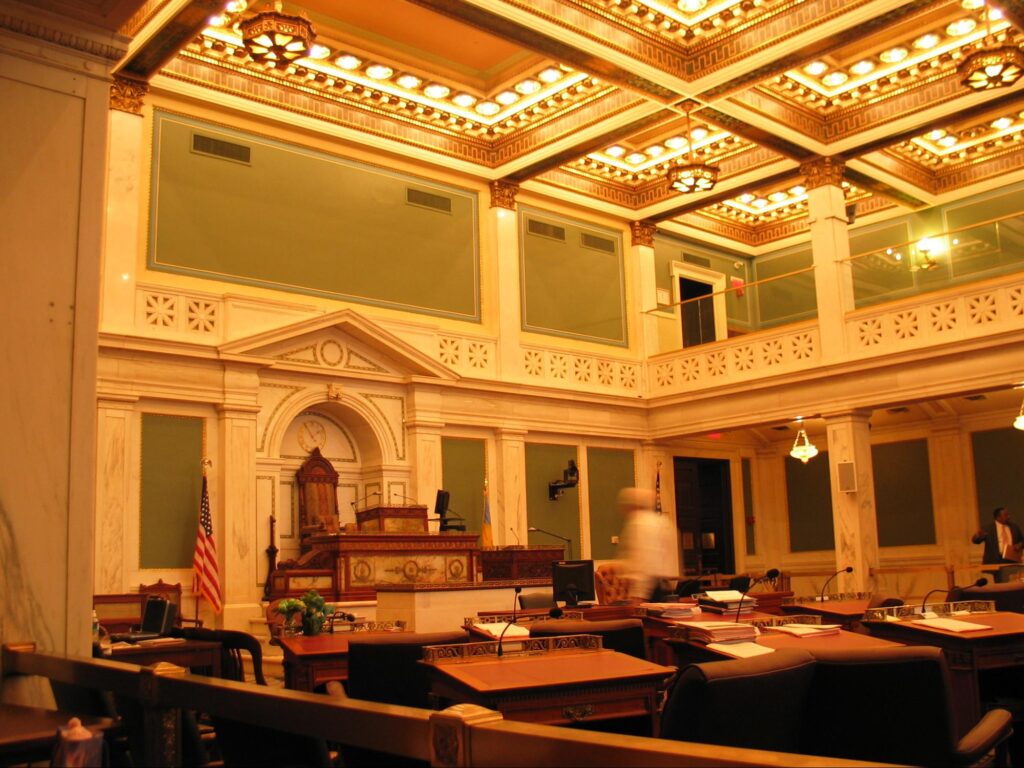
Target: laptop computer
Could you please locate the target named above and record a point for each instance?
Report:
(158, 617)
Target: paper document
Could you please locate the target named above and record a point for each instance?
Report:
(725, 595)
(806, 630)
(951, 625)
(495, 629)
(161, 641)
(741, 650)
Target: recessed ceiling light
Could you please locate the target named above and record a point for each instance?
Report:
(676, 142)
(833, 79)
(961, 27)
(437, 91)
(655, 151)
(636, 158)
(527, 87)
(317, 51)
(348, 62)
(699, 133)
(1002, 123)
(947, 141)
(863, 67)
(488, 108)
(816, 68)
(550, 75)
(379, 72)
(760, 203)
(615, 151)
(409, 81)
(464, 99)
(507, 97)
(894, 55)
(691, 6)
(935, 135)
(798, 190)
(926, 42)
(777, 197)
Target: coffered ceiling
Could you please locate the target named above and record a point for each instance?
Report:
(587, 100)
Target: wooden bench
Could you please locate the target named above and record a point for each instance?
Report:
(463, 735)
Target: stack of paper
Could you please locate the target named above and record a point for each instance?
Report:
(728, 602)
(495, 628)
(671, 610)
(719, 631)
(951, 625)
(806, 630)
(741, 650)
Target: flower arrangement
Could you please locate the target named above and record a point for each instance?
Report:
(311, 608)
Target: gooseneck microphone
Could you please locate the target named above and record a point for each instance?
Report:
(769, 575)
(847, 569)
(514, 534)
(367, 496)
(515, 603)
(566, 539)
(979, 583)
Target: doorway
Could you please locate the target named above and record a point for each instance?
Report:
(704, 515)
(703, 317)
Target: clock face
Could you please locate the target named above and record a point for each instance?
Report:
(312, 435)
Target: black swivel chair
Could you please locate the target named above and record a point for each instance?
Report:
(688, 587)
(537, 600)
(622, 635)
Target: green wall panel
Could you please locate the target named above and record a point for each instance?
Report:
(903, 493)
(998, 469)
(609, 471)
(335, 228)
(748, 506)
(568, 288)
(171, 486)
(810, 504)
(787, 299)
(463, 470)
(545, 463)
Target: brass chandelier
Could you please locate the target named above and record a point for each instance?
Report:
(994, 66)
(273, 37)
(691, 176)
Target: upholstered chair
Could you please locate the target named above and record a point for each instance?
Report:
(611, 584)
(622, 635)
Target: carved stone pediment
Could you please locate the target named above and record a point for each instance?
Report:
(342, 342)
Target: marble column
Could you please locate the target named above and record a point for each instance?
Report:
(646, 292)
(121, 259)
(423, 425)
(650, 460)
(956, 507)
(235, 516)
(116, 474)
(830, 246)
(508, 489)
(504, 227)
(853, 512)
(771, 526)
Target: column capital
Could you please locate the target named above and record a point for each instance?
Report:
(852, 416)
(503, 194)
(643, 232)
(822, 171)
(126, 95)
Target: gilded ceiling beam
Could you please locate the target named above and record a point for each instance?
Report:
(175, 35)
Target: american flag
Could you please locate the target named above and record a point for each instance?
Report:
(486, 533)
(204, 561)
(657, 490)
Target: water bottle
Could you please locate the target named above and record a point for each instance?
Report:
(95, 628)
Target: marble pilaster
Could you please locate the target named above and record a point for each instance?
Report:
(508, 490)
(116, 425)
(953, 498)
(423, 425)
(646, 293)
(504, 227)
(853, 513)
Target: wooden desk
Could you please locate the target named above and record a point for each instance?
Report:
(967, 653)
(312, 661)
(656, 631)
(27, 734)
(588, 613)
(200, 656)
(692, 652)
(844, 612)
(555, 688)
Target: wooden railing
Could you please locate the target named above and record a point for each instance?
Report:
(463, 735)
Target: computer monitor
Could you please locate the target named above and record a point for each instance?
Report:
(441, 504)
(158, 616)
(572, 581)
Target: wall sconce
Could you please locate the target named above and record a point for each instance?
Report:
(924, 261)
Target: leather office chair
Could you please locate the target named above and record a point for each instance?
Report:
(622, 635)
(232, 646)
(892, 705)
(537, 600)
(881, 601)
(755, 703)
(688, 587)
(611, 584)
(1007, 597)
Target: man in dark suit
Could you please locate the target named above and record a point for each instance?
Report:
(1003, 539)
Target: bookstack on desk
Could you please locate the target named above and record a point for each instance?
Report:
(730, 602)
(671, 610)
(719, 631)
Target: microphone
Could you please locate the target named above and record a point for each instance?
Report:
(405, 498)
(371, 493)
(771, 575)
(566, 539)
(514, 534)
(979, 583)
(555, 613)
(847, 569)
(515, 603)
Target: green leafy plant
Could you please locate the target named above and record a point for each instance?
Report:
(312, 608)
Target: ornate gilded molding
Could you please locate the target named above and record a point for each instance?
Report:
(822, 171)
(643, 232)
(503, 194)
(127, 95)
(66, 38)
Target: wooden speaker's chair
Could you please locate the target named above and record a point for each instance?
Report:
(611, 584)
(622, 635)
(317, 485)
(893, 705)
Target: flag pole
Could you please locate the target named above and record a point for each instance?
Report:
(205, 464)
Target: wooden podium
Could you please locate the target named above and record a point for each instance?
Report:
(516, 563)
(393, 519)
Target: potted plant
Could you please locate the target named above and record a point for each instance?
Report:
(290, 608)
(307, 613)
